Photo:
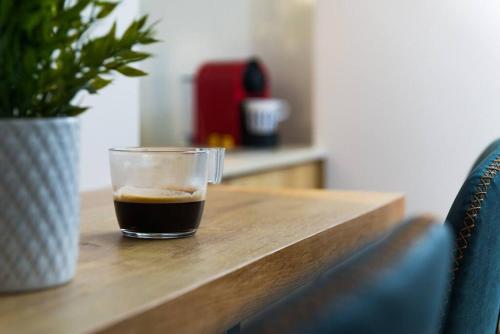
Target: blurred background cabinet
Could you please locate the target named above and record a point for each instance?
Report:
(287, 167)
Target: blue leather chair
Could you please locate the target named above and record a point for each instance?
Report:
(494, 146)
(474, 302)
(396, 285)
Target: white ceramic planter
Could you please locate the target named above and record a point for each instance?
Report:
(39, 202)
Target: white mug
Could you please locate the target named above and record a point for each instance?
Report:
(262, 115)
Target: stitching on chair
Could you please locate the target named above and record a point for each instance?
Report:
(469, 223)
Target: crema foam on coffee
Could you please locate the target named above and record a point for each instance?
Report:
(158, 195)
(159, 210)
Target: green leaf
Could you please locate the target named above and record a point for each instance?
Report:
(148, 40)
(75, 110)
(31, 21)
(106, 8)
(5, 8)
(141, 22)
(112, 32)
(130, 71)
(130, 33)
(99, 83)
(113, 65)
(73, 12)
(133, 55)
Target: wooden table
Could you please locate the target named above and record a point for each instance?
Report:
(253, 246)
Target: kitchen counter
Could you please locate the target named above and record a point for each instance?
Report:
(250, 161)
(254, 246)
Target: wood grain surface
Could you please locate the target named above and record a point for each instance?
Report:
(254, 245)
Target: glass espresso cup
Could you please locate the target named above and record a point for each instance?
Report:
(159, 193)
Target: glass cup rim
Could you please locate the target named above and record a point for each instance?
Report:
(160, 149)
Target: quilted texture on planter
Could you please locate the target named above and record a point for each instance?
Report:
(39, 206)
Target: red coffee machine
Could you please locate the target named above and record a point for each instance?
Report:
(221, 88)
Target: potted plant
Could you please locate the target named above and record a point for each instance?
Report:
(49, 54)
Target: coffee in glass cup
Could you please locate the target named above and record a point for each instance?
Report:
(159, 193)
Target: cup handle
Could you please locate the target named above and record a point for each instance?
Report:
(215, 164)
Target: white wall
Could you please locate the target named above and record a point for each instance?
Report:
(113, 119)
(407, 93)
